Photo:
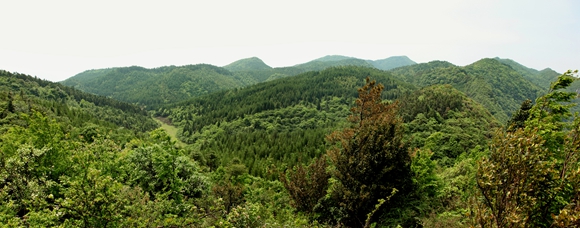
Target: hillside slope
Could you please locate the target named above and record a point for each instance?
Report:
(281, 122)
(154, 87)
(23, 94)
(497, 86)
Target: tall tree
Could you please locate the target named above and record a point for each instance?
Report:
(370, 159)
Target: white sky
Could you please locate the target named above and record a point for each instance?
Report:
(57, 39)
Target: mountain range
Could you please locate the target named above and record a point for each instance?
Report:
(499, 84)
(154, 87)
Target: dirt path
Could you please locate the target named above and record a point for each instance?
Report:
(170, 129)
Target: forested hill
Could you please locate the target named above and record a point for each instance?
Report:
(382, 64)
(23, 94)
(289, 116)
(542, 78)
(249, 64)
(285, 121)
(152, 88)
(497, 86)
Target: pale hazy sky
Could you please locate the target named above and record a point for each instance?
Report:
(57, 39)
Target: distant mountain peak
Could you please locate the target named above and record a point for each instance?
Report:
(392, 62)
(248, 64)
(332, 58)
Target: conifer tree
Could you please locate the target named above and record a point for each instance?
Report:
(371, 158)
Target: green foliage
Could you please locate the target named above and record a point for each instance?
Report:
(531, 177)
(371, 159)
(280, 122)
(66, 104)
(444, 120)
(162, 169)
(516, 181)
(495, 85)
(70, 159)
(519, 119)
(154, 87)
(552, 109)
(249, 64)
(541, 78)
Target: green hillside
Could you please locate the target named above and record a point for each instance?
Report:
(541, 78)
(152, 88)
(155, 87)
(497, 86)
(249, 64)
(392, 62)
(333, 58)
(382, 64)
(444, 120)
(27, 94)
(325, 63)
(292, 114)
(299, 111)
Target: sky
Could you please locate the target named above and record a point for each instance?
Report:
(58, 39)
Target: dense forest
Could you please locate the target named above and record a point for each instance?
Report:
(335, 142)
(152, 88)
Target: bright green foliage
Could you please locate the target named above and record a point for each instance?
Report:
(72, 159)
(445, 121)
(155, 87)
(71, 106)
(531, 178)
(454, 188)
(552, 110)
(371, 159)
(90, 195)
(162, 169)
(423, 168)
(493, 84)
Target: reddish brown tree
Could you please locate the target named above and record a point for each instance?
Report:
(370, 158)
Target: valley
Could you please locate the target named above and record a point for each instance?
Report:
(333, 142)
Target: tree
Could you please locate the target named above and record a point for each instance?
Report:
(370, 159)
(532, 175)
(307, 185)
(519, 118)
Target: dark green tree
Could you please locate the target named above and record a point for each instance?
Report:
(519, 118)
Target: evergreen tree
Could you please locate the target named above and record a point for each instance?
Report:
(371, 159)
